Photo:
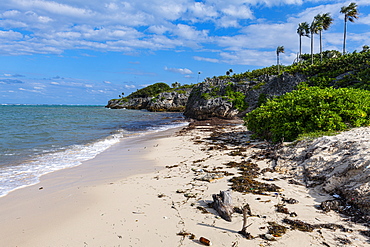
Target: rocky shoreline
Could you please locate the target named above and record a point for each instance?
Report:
(212, 98)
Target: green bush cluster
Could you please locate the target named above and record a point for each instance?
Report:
(236, 98)
(310, 110)
(150, 91)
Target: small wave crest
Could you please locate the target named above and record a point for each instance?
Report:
(29, 172)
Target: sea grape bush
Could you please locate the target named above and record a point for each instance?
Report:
(310, 110)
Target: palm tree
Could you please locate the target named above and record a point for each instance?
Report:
(280, 49)
(313, 30)
(229, 72)
(365, 48)
(350, 14)
(303, 30)
(323, 23)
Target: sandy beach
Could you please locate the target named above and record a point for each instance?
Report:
(156, 190)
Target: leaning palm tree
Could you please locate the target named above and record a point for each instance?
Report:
(313, 30)
(280, 49)
(303, 30)
(323, 22)
(350, 14)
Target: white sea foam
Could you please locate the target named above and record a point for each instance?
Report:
(29, 172)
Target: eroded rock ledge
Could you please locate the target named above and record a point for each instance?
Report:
(338, 164)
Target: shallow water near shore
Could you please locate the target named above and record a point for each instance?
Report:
(39, 139)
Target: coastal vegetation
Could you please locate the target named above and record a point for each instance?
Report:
(154, 90)
(310, 110)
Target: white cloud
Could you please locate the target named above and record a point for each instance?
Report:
(132, 27)
(129, 86)
(211, 60)
(179, 71)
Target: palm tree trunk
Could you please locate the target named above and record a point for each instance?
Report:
(278, 63)
(300, 48)
(320, 46)
(312, 48)
(345, 35)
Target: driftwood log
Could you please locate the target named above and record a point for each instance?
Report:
(222, 203)
(246, 212)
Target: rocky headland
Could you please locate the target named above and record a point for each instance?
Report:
(215, 97)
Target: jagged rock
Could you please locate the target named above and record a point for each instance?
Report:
(209, 98)
(174, 101)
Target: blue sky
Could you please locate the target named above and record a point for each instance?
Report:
(87, 52)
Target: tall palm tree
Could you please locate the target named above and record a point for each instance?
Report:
(350, 14)
(279, 49)
(323, 23)
(313, 30)
(303, 30)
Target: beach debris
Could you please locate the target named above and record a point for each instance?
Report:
(292, 181)
(173, 166)
(222, 203)
(203, 210)
(186, 234)
(290, 201)
(329, 205)
(282, 209)
(209, 177)
(161, 195)
(264, 170)
(138, 212)
(366, 233)
(268, 237)
(293, 214)
(299, 225)
(276, 230)
(347, 208)
(205, 241)
(238, 152)
(190, 195)
(343, 240)
(246, 212)
(41, 188)
(246, 183)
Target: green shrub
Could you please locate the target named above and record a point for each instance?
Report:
(308, 110)
(206, 96)
(237, 98)
(150, 91)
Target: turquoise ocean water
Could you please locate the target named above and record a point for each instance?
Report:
(36, 140)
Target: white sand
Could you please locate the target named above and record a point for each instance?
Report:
(104, 202)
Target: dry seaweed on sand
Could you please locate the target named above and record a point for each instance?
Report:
(246, 184)
(282, 209)
(276, 230)
(245, 168)
(299, 225)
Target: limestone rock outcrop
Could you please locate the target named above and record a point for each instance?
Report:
(174, 101)
(211, 98)
(337, 164)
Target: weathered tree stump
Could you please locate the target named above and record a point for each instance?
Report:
(222, 203)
